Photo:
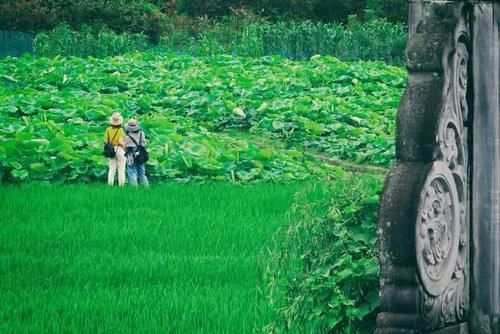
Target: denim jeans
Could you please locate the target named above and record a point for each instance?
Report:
(135, 172)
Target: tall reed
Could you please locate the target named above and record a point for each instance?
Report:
(372, 40)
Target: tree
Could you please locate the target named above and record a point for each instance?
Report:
(207, 7)
(392, 10)
(338, 10)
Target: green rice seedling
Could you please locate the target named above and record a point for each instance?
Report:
(168, 259)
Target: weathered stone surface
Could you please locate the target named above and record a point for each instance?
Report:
(486, 172)
(415, 14)
(425, 52)
(439, 218)
(397, 214)
(417, 118)
(424, 216)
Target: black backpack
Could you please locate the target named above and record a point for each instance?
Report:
(109, 149)
(140, 154)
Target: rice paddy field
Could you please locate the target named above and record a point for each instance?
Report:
(172, 259)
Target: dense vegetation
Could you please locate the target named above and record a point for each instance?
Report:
(152, 16)
(113, 27)
(119, 15)
(371, 40)
(323, 10)
(322, 271)
(220, 118)
(170, 259)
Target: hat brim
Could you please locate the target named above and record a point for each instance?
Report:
(132, 128)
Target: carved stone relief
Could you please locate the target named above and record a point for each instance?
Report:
(442, 230)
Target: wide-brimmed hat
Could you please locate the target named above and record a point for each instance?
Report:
(116, 119)
(132, 125)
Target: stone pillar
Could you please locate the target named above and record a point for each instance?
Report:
(424, 216)
(439, 217)
(415, 13)
(486, 170)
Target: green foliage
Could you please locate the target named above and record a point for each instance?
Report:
(392, 10)
(316, 10)
(373, 40)
(220, 118)
(207, 7)
(323, 271)
(223, 118)
(119, 15)
(151, 17)
(337, 10)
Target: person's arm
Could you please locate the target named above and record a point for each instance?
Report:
(106, 136)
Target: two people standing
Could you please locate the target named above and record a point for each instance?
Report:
(129, 150)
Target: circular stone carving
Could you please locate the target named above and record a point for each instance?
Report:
(438, 229)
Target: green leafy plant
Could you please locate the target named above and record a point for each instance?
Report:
(322, 272)
(218, 117)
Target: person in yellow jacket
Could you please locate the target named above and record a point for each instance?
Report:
(116, 136)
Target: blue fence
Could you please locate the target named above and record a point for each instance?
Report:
(15, 43)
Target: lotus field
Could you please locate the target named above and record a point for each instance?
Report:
(217, 118)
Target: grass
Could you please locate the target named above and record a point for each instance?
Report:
(170, 259)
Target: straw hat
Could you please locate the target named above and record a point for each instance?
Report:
(132, 125)
(116, 119)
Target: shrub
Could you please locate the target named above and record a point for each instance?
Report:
(317, 10)
(26, 15)
(150, 16)
(322, 273)
(392, 10)
(125, 15)
(207, 7)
